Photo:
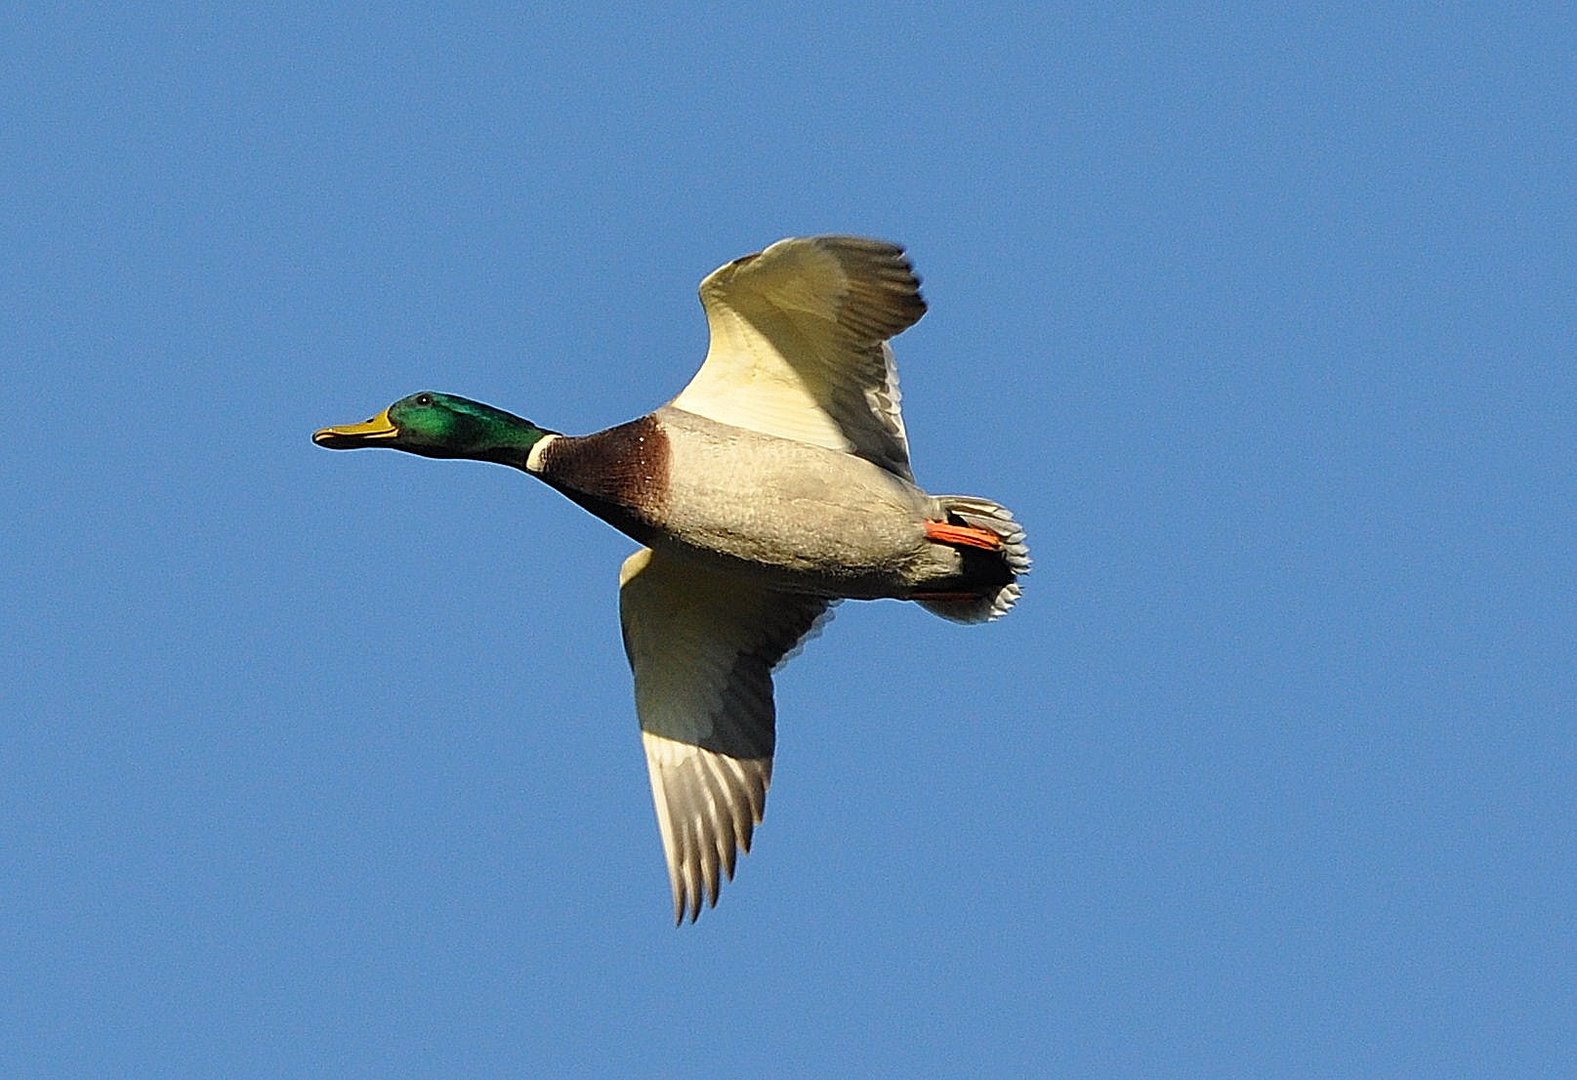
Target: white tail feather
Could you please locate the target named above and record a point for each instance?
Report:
(985, 514)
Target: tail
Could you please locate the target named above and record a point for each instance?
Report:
(1010, 560)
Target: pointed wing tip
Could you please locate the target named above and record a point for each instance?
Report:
(693, 893)
(687, 907)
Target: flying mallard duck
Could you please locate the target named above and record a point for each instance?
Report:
(774, 485)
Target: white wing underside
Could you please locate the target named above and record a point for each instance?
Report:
(702, 648)
(798, 345)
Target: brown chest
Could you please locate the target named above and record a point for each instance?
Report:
(620, 474)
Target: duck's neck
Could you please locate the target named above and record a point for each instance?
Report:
(506, 439)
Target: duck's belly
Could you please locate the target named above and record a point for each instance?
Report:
(796, 516)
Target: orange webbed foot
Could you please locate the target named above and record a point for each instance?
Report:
(962, 535)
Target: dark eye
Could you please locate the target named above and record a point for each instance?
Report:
(424, 399)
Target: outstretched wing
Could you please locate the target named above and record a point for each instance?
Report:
(798, 345)
(702, 648)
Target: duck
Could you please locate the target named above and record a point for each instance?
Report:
(775, 485)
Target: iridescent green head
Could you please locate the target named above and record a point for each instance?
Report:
(440, 426)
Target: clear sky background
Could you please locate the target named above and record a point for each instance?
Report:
(321, 764)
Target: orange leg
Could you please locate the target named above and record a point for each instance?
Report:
(962, 535)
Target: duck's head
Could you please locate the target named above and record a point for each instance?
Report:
(439, 426)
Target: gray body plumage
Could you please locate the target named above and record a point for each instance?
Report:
(797, 517)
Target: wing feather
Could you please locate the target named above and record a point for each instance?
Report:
(702, 648)
(799, 345)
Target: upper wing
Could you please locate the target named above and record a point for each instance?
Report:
(702, 648)
(799, 347)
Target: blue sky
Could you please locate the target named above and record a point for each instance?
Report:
(317, 764)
